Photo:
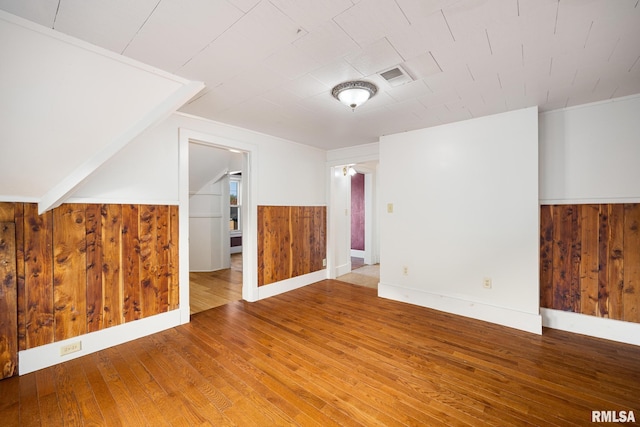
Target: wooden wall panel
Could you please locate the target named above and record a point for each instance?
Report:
(174, 280)
(595, 253)
(93, 224)
(69, 271)
(38, 259)
(631, 295)
(589, 259)
(8, 300)
(112, 277)
(84, 267)
(291, 241)
(130, 263)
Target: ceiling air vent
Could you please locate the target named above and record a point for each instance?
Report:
(396, 76)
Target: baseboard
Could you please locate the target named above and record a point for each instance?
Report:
(356, 253)
(48, 355)
(523, 321)
(287, 285)
(343, 269)
(609, 329)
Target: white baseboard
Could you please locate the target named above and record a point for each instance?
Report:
(343, 269)
(357, 253)
(48, 355)
(287, 285)
(609, 329)
(523, 321)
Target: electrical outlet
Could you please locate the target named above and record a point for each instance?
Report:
(324, 262)
(70, 348)
(405, 271)
(486, 283)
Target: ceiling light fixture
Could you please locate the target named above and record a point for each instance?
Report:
(354, 94)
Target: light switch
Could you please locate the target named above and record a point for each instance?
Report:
(389, 207)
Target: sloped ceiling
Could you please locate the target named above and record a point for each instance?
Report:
(269, 65)
(67, 106)
(208, 164)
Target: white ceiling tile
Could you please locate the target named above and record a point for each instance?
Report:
(419, 11)
(467, 18)
(429, 32)
(305, 87)
(111, 25)
(507, 54)
(327, 43)
(311, 13)
(422, 66)
(164, 42)
(416, 89)
(375, 57)
(41, 12)
(256, 36)
(336, 72)
(370, 20)
(244, 5)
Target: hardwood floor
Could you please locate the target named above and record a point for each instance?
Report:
(328, 354)
(213, 289)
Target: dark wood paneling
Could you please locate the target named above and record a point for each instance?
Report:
(38, 259)
(631, 295)
(82, 268)
(8, 300)
(174, 279)
(69, 271)
(94, 268)
(112, 280)
(595, 253)
(130, 263)
(291, 241)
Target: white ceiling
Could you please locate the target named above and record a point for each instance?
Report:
(269, 65)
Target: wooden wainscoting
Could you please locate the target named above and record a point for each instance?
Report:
(291, 241)
(86, 267)
(590, 259)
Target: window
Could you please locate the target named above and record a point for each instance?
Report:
(234, 203)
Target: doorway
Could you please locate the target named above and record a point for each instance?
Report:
(356, 253)
(215, 232)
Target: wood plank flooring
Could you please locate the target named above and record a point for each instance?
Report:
(215, 288)
(332, 354)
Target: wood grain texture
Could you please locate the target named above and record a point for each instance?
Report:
(291, 241)
(333, 354)
(79, 267)
(94, 267)
(69, 271)
(8, 301)
(38, 258)
(595, 268)
(174, 257)
(130, 263)
(631, 295)
(112, 274)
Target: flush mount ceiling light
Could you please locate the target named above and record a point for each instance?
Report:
(354, 94)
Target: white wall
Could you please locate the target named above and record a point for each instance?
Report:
(209, 227)
(465, 208)
(148, 170)
(590, 153)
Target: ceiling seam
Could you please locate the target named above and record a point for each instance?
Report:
(141, 26)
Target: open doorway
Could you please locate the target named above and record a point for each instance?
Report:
(215, 231)
(360, 225)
